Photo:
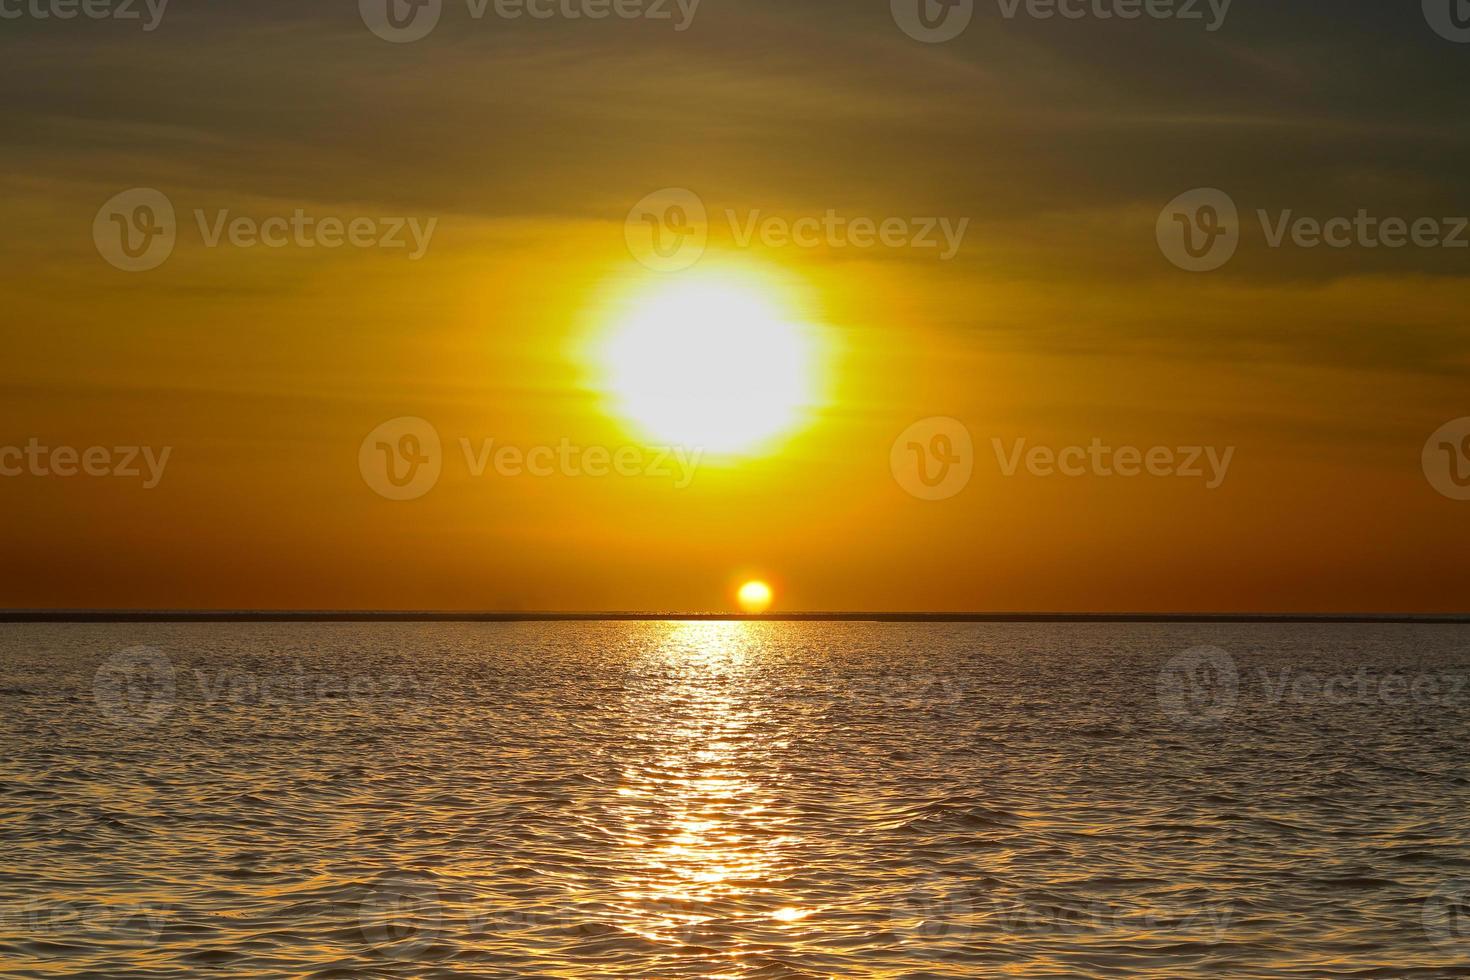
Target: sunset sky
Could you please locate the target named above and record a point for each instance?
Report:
(530, 143)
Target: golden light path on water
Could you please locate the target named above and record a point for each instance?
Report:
(716, 851)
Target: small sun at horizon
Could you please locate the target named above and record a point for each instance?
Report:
(755, 597)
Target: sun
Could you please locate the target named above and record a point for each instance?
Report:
(755, 597)
(717, 361)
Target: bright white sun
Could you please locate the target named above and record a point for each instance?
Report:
(755, 597)
(714, 362)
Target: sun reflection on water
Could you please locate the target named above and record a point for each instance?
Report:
(706, 847)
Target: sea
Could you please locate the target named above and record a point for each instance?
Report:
(734, 800)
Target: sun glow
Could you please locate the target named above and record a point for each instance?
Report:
(715, 362)
(755, 597)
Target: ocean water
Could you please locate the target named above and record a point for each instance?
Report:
(758, 800)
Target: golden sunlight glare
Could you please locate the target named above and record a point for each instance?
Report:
(755, 597)
(714, 362)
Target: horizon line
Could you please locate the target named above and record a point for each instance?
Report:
(469, 616)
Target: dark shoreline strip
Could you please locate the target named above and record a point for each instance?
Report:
(353, 616)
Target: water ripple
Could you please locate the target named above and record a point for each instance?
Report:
(734, 801)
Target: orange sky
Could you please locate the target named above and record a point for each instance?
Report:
(1059, 320)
